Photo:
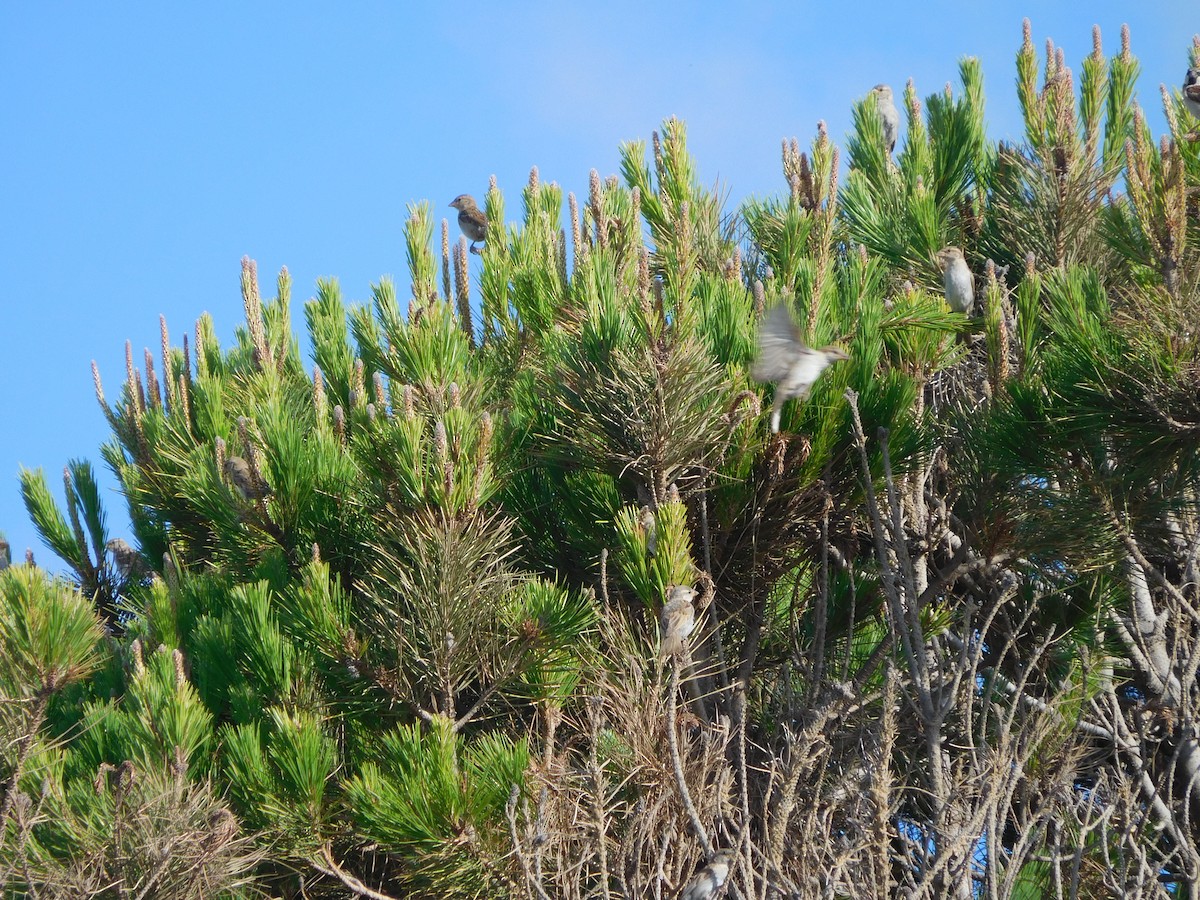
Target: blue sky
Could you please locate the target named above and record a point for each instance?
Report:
(147, 147)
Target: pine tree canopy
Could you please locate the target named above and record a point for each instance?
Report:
(391, 620)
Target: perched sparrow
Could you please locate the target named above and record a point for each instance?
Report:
(707, 883)
(5, 555)
(128, 561)
(678, 619)
(1191, 91)
(471, 219)
(889, 114)
(237, 470)
(222, 828)
(650, 527)
(960, 283)
(783, 357)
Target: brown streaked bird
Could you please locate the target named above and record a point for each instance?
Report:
(958, 279)
(1191, 91)
(784, 358)
(650, 527)
(128, 562)
(888, 113)
(708, 882)
(471, 220)
(678, 619)
(237, 470)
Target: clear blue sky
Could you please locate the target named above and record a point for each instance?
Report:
(147, 147)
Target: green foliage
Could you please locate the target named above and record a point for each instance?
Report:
(649, 573)
(427, 787)
(425, 660)
(49, 636)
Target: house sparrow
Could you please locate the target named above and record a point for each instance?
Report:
(707, 883)
(889, 114)
(678, 619)
(647, 521)
(784, 358)
(960, 283)
(5, 555)
(237, 470)
(471, 219)
(1191, 91)
(127, 560)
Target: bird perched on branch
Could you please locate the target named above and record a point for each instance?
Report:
(958, 279)
(784, 358)
(5, 555)
(237, 470)
(649, 526)
(888, 113)
(1191, 95)
(707, 883)
(471, 220)
(128, 561)
(678, 619)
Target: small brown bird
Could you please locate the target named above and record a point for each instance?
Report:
(958, 279)
(889, 114)
(650, 528)
(678, 619)
(471, 220)
(222, 828)
(5, 555)
(708, 882)
(1191, 91)
(128, 561)
(237, 470)
(784, 358)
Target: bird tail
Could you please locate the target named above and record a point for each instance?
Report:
(672, 645)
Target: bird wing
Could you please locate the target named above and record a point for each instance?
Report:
(779, 344)
(476, 216)
(679, 614)
(703, 886)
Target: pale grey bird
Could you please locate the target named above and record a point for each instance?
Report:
(471, 219)
(1191, 91)
(708, 882)
(958, 279)
(784, 358)
(237, 470)
(678, 619)
(886, 105)
(649, 528)
(128, 562)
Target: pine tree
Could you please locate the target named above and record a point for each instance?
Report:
(393, 623)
